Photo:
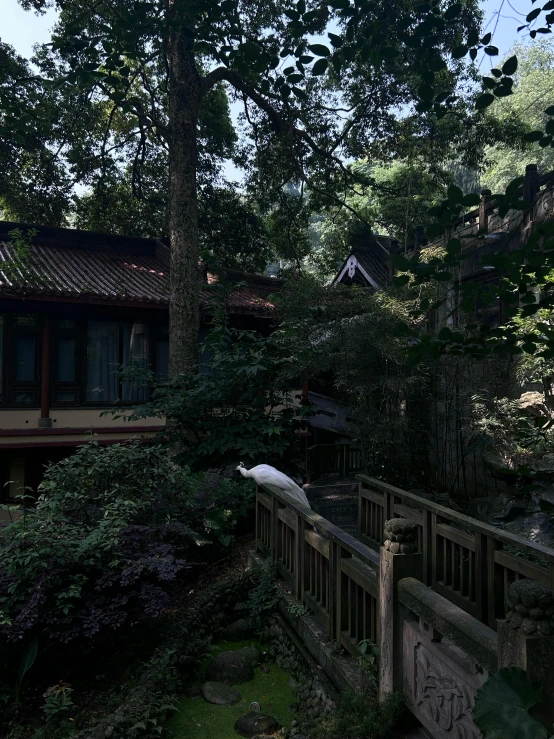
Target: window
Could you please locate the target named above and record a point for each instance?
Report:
(66, 360)
(25, 349)
(64, 377)
(110, 346)
(24, 355)
(162, 352)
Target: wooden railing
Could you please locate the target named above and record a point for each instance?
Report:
(333, 459)
(468, 562)
(331, 572)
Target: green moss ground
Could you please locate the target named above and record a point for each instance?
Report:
(198, 719)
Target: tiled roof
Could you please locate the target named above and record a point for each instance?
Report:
(375, 264)
(373, 256)
(110, 270)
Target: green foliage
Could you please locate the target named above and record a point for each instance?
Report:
(108, 536)
(532, 94)
(264, 596)
(298, 610)
(25, 663)
(57, 699)
(362, 717)
(368, 661)
(235, 407)
(502, 706)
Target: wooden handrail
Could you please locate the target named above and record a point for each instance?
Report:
(505, 537)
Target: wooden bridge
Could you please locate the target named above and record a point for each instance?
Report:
(434, 596)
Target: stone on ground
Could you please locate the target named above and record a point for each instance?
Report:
(254, 723)
(234, 667)
(220, 694)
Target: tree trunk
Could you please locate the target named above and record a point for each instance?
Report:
(184, 103)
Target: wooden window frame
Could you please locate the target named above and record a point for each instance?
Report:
(59, 386)
(14, 387)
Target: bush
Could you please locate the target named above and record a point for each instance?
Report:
(112, 530)
(362, 717)
(237, 407)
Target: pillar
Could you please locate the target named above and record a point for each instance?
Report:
(399, 558)
(526, 639)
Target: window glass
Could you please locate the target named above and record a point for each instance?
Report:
(65, 397)
(25, 358)
(26, 398)
(66, 323)
(162, 359)
(28, 321)
(66, 360)
(102, 360)
(136, 359)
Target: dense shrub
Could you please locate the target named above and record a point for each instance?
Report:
(237, 407)
(111, 531)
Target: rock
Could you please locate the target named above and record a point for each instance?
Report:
(533, 404)
(294, 708)
(239, 630)
(256, 723)
(234, 667)
(507, 507)
(538, 527)
(109, 732)
(220, 694)
(265, 670)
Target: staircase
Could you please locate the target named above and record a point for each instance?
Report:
(336, 499)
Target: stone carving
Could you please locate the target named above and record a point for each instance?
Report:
(531, 608)
(443, 697)
(401, 536)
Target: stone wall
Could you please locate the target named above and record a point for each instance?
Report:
(315, 692)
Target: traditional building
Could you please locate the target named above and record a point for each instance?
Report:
(74, 307)
(368, 263)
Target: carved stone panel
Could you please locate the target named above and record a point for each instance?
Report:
(440, 682)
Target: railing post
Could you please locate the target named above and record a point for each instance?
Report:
(257, 522)
(300, 528)
(335, 600)
(526, 639)
(483, 214)
(274, 527)
(399, 559)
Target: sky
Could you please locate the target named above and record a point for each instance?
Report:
(22, 29)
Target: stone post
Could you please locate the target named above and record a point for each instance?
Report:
(483, 214)
(399, 558)
(526, 639)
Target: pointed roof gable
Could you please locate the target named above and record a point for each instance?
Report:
(368, 263)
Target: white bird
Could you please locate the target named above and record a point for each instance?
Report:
(275, 481)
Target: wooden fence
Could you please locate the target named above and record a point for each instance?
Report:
(331, 572)
(333, 460)
(468, 562)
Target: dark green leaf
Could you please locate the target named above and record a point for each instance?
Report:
(534, 136)
(550, 110)
(320, 67)
(455, 194)
(502, 704)
(510, 66)
(458, 52)
(483, 101)
(491, 50)
(533, 14)
(319, 50)
(444, 334)
(453, 12)
(401, 280)
(470, 200)
(27, 659)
